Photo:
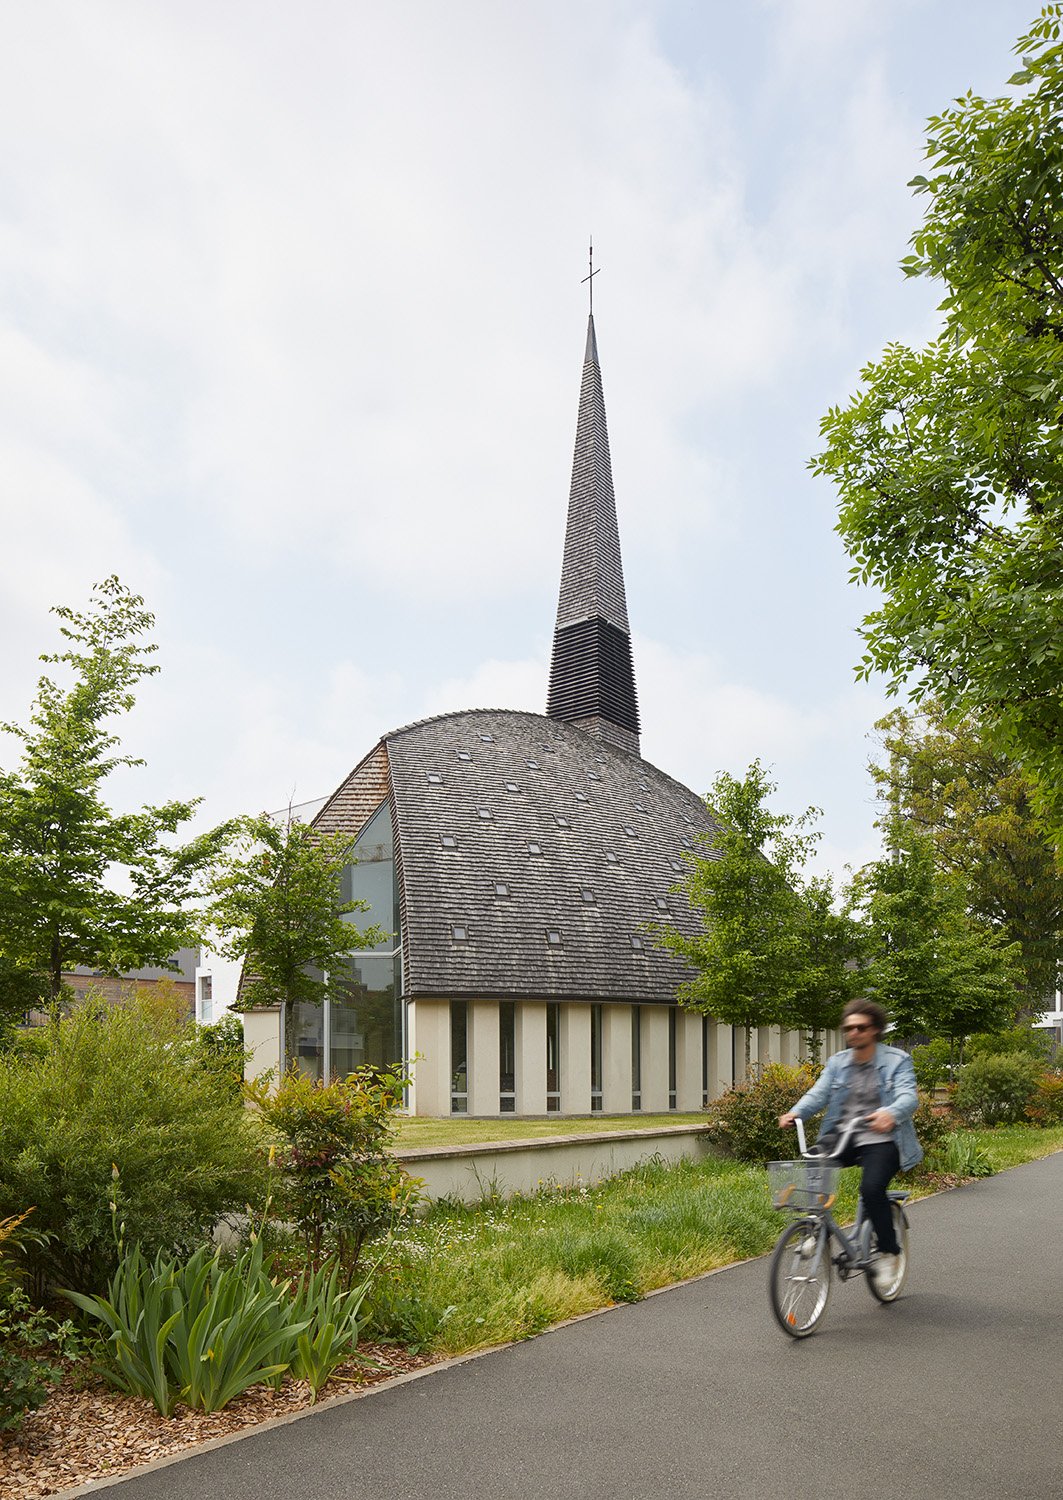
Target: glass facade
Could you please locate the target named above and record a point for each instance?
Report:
(553, 1057)
(361, 1021)
(636, 1057)
(596, 1057)
(507, 1057)
(459, 1057)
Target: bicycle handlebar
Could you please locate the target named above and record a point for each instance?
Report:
(840, 1145)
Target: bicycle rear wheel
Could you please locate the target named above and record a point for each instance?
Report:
(799, 1279)
(884, 1290)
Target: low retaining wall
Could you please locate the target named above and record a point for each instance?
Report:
(470, 1172)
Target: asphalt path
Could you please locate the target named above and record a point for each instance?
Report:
(693, 1394)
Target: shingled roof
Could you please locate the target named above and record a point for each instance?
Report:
(532, 856)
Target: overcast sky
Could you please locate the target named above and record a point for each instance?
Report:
(291, 328)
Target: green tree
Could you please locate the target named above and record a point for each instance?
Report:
(63, 852)
(277, 904)
(945, 778)
(948, 461)
(752, 950)
(829, 959)
(937, 970)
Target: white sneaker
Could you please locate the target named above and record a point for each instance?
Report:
(886, 1269)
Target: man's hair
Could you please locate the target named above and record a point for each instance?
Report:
(871, 1009)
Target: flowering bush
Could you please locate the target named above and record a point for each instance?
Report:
(338, 1181)
(744, 1122)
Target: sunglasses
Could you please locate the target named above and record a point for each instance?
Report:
(860, 1026)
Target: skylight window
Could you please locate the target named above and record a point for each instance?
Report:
(448, 841)
(610, 856)
(533, 765)
(501, 889)
(593, 776)
(581, 796)
(639, 807)
(637, 943)
(562, 822)
(588, 895)
(630, 831)
(511, 786)
(553, 937)
(487, 739)
(460, 934)
(662, 904)
(485, 813)
(535, 848)
(643, 786)
(434, 779)
(464, 755)
(677, 865)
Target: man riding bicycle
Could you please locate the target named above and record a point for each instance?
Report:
(875, 1084)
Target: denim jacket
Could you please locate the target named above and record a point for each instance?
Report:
(896, 1078)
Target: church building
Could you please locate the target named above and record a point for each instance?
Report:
(520, 861)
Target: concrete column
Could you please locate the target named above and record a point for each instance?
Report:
(616, 1059)
(575, 1059)
(654, 1059)
(262, 1038)
(770, 1048)
(688, 1027)
(429, 1023)
(788, 1044)
(530, 1029)
(721, 1045)
(483, 1057)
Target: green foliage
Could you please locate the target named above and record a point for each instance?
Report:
(276, 903)
(24, 1385)
(947, 779)
(997, 1090)
(200, 1331)
(338, 1181)
(119, 1089)
(222, 1051)
(744, 1122)
(61, 846)
(769, 953)
(938, 972)
(1031, 1041)
(960, 1155)
(331, 1315)
(933, 1123)
(932, 1063)
(24, 1380)
(948, 462)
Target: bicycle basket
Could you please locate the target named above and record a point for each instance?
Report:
(803, 1184)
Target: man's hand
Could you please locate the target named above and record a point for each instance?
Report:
(882, 1121)
(787, 1119)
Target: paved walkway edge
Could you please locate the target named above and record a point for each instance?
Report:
(94, 1486)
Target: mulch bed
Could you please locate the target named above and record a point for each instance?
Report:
(89, 1431)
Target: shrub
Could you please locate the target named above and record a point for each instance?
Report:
(1031, 1041)
(1046, 1106)
(933, 1123)
(931, 1063)
(24, 1381)
(960, 1155)
(997, 1090)
(744, 1122)
(221, 1050)
(338, 1181)
(119, 1085)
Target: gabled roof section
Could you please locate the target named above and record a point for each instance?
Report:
(592, 680)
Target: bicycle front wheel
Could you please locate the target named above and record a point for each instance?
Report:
(799, 1278)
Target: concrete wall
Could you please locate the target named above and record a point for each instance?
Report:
(470, 1172)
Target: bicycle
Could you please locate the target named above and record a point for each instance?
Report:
(799, 1279)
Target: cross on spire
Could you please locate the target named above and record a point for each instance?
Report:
(590, 279)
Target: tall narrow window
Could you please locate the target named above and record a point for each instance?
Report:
(459, 1057)
(507, 1057)
(636, 1057)
(553, 1057)
(705, 1060)
(596, 1057)
(673, 1016)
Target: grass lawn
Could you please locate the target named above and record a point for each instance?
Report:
(463, 1278)
(417, 1130)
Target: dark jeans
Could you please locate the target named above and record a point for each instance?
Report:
(879, 1164)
